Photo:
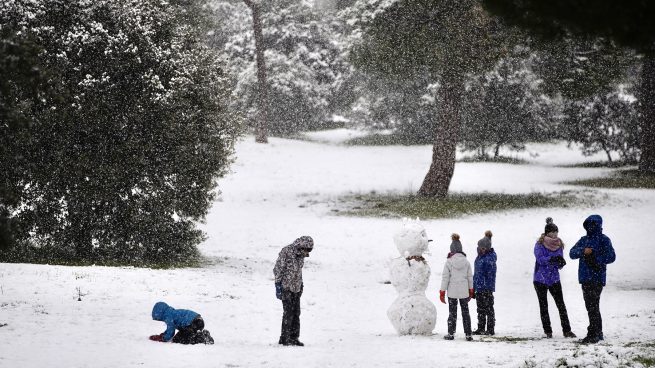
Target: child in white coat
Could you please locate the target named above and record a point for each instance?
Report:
(457, 282)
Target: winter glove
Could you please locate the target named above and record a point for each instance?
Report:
(558, 261)
(471, 294)
(442, 296)
(159, 337)
(278, 290)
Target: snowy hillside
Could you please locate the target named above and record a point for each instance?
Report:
(264, 206)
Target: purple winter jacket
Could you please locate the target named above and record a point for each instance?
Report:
(545, 272)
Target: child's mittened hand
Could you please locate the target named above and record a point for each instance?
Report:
(157, 338)
(442, 296)
(471, 294)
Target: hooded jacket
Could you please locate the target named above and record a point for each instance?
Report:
(484, 278)
(546, 272)
(593, 268)
(174, 318)
(457, 277)
(290, 261)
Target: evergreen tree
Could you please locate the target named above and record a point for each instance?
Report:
(449, 39)
(607, 123)
(23, 87)
(629, 24)
(505, 107)
(304, 63)
(125, 164)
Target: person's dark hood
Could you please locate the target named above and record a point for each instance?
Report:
(594, 225)
(159, 311)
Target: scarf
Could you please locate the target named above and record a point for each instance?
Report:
(552, 244)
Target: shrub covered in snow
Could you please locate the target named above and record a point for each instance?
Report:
(121, 161)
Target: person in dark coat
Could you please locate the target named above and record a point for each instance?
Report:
(595, 252)
(289, 287)
(484, 283)
(190, 325)
(549, 255)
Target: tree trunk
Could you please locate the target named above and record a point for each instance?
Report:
(446, 136)
(261, 126)
(647, 120)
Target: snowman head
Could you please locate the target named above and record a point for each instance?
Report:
(411, 239)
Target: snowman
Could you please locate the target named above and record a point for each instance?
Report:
(411, 313)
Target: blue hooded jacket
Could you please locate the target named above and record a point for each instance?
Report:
(174, 318)
(593, 268)
(484, 278)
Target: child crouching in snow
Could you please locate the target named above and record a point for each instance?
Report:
(189, 323)
(457, 281)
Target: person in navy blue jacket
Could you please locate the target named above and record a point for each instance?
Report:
(189, 323)
(595, 252)
(484, 283)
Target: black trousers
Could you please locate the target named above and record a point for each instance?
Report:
(290, 317)
(185, 335)
(452, 316)
(591, 294)
(542, 294)
(486, 313)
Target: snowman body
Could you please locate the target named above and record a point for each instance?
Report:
(411, 313)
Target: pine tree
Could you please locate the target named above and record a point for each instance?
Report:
(450, 39)
(629, 24)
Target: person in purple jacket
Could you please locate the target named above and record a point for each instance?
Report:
(549, 254)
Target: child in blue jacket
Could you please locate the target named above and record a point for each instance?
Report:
(484, 283)
(189, 323)
(595, 252)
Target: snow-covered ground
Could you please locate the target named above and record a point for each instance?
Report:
(279, 191)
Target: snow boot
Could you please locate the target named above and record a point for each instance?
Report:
(549, 335)
(589, 340)
(469, 338)
(449, 337)
(570, 334)
(479, 331)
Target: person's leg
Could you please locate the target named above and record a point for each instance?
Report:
(591, 294)
(294, 332)
(183, 335)
(452, 316)
(542, 296)
(491, 314)
(466, 317)
(287, 305)
(482, 320)
(556, 292)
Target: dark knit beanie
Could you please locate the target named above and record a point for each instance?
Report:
(550, 226)
(455, 245)
(485, 243)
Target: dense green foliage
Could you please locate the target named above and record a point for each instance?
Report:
(628, 23)
(124, 163)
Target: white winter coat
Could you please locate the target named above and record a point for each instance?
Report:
(457, 277)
